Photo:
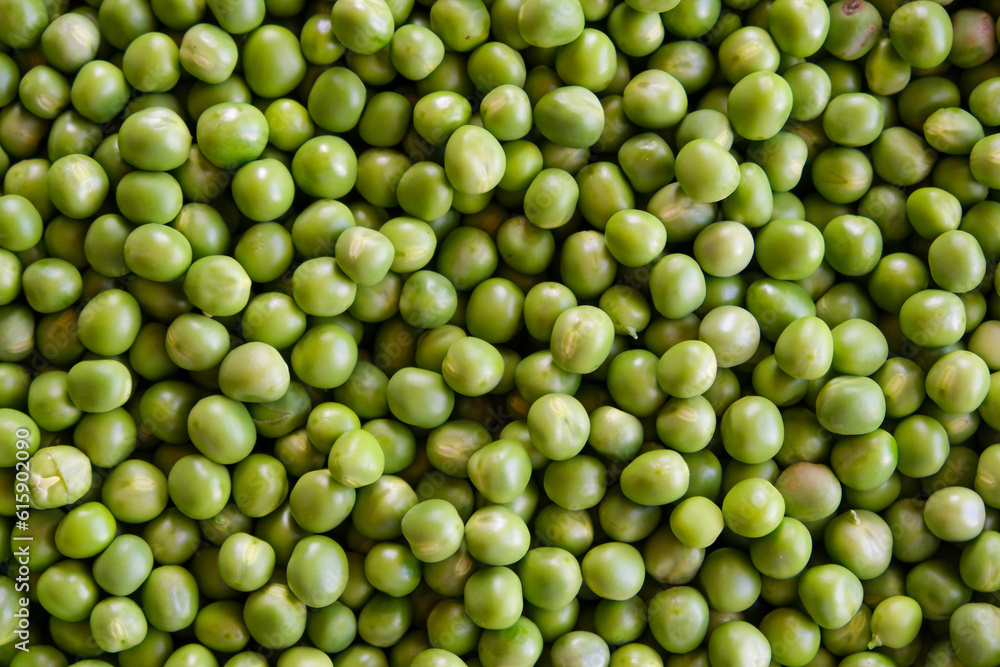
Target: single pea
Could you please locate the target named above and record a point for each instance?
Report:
(706, 171)
(922, 34)
(218, 285)
(752, 430)
(753, 508)
(208, 53)
(198, 486)
(933, 318)
(831, 595)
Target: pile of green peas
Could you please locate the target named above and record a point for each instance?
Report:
(382, 333)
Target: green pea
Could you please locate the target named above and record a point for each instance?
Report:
(971, 628)
(842, 175)
(317, 502)
(317, 571)
(117, 624)
(759, 104)
(274, 617)
(67, 591)
(99, 91)
(149, 197)
(70, 41)
(558, 425)
(687, 369)
(895, 622)
(208, 53)
(263, 190)
(753, 508)
(799, 28)
(706, 171)
(922, 34)
(900, 157)
(472, 366)
(933, 318)
(752, 430)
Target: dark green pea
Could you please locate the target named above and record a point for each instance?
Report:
(885, 71)
(972, 629)
(681, 216)
(635, 32)
(603, 192)
(578, 483)
(897, 277)
(647, 161)
(977, 562)
(729, 581)
(260, 485)
(289, 124)
(494, 310)
(901, 157)
(519, 644)
(274, 617)
(750, 204)
(937, 585)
